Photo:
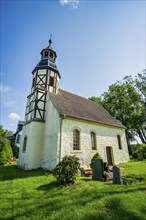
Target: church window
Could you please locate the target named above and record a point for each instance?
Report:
(46, 53)
(24, 144)
(76, 140)
(51, 83)
(18, 138)
(93, 140)
(51, 54)
(119, 142)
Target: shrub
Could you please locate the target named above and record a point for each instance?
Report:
(5, 153)
(136, 149)
(3, 158)
(65, 171)
(5, 148)
(15, 151)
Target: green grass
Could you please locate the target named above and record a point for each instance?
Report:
(34, 195)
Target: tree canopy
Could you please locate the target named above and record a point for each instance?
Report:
(5, 148)
(126, 101)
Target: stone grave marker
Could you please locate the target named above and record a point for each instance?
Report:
(116, 175)
(97, 168)
(140, 156)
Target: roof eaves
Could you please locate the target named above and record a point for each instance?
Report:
(91, 120)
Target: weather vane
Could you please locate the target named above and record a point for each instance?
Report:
(50, 40)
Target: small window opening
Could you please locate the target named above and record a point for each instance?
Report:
(93, 140)
(51, 54)
(46, 53)
(51, 83)
(119, 141)
(24, 144)
(18, 139)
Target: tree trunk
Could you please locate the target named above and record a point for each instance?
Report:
(142, 136)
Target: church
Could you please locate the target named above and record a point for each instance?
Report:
(60, 123)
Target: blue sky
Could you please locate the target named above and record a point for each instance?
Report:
(97, 43)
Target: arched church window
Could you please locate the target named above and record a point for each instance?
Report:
(93, 140)
(24, 144)
(76, 139)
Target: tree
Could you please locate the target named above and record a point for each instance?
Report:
(139, 83)
(5, 148)
(126, 101)
(95, 99)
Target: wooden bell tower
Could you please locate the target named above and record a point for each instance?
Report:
(45, 79)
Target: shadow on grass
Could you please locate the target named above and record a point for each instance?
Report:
(48, 186)
(104, 193)
(11, 172)
(115, 210)
(56, 206)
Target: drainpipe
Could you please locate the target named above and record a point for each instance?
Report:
(61, 122)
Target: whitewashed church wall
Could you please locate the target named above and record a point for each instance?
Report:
(31, 158)
(51, 137)
(105, 136)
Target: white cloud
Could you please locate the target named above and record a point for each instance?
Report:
(14, 116)
(72, 3)
(6, 96)
(4, 88)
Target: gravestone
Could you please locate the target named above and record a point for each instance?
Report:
(97, 168)
(116, 175)
(140, 156)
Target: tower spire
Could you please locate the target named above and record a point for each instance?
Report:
(50, 41)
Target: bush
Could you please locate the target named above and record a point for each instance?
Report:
(5, 153)
(5, 148)
(65, 171)
(15, 151)
(3, 158)
(136, 149)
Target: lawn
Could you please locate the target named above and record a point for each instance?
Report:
(35, 195)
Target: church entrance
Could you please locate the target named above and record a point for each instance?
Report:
(109, 154)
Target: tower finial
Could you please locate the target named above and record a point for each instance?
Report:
(50, 41)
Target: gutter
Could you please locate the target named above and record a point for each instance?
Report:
(60, 142)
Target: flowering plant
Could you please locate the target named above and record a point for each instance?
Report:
(88, 172)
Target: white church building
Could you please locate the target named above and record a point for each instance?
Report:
(59, 123)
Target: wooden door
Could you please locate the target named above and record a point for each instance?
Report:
(109, 155)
